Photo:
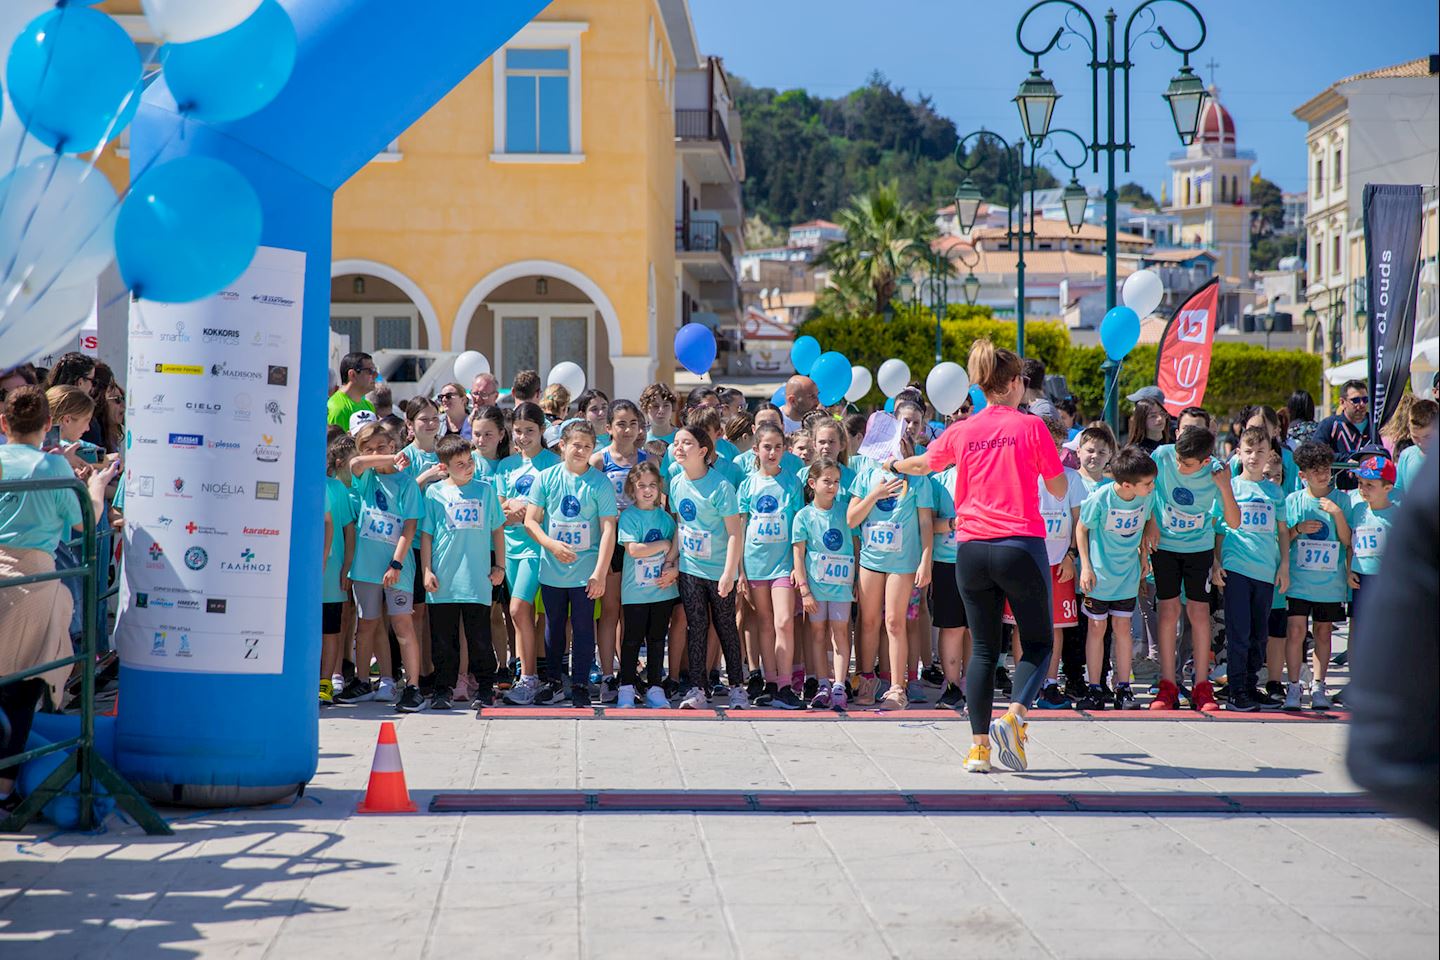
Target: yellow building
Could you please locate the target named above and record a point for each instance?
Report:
(574, 198)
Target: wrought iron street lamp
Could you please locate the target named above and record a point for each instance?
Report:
(1185, 96)
(967, 202)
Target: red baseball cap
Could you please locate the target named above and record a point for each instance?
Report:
(1377, 468)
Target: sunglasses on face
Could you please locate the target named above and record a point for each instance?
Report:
(449, 396)
(1358, 401)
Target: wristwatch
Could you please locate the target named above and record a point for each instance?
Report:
(396, 565)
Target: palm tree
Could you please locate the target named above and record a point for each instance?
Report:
(883, 236)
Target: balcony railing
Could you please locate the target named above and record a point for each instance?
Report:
(704, 236)
(703, 125)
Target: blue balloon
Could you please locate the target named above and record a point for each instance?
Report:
(1119, 332)
(889, 404)
(832, 374)
(188, 228)
(695, 347)
(235, 73)
(74, 77)
(778, 398)
(804, 353)
(977, 399)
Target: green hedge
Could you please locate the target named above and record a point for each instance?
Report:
(1240, 374)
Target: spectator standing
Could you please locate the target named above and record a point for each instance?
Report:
(357, 378)
(1301, 409)
(1347, 430)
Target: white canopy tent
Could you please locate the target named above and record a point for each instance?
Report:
(1424, 361)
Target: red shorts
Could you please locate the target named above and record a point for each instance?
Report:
(1064, 611)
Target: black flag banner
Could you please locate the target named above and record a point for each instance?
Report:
(1392, 261)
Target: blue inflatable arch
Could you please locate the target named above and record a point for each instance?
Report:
(367, 70)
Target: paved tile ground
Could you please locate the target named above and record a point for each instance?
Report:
(313, 879)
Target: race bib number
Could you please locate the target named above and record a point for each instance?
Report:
(575, 534)
(1322, 556)
(463, 514)
(1126, 523)
(696, 542)
(376, 524)
(1178, 521)
(835, 569)
(1257, 517)
(621, 500)
(1054, 524)
(769, 528)
(649, 569)
(1369, 541)
(884, 536)
(951, 540)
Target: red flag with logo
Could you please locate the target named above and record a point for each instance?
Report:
(1182, 367)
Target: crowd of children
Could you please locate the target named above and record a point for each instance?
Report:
(696, 554)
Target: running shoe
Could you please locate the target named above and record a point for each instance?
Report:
(894, 699)
(811, 688)
(1275, 690)
(1094, 699)
(655, 698)
(821, 699)
(1241, 702)
(484, 697)
(1124, 698)
(1319, 696)
(766, 696)
(609, 690)
(385, 692)
(933, 676)
(440, 699)
(411, 701)
(1002, 680)
(755, 686)
(797, 680)
(580, 696)
(715, 678)
(624, 697)
(839, 699)
(427, 684)
(865, 691)
(672, 688)
(1007, 736)
(1264, 701)
(952, 697)
(327, 693)
(978, 760)
(356, 691)
(551, 692)
(522, 693)
(719, 693)
(1052, 699)
(1202, 698)
(785, 699)
(1076, 688)
(695, 700)
(1292, 696)
(917, 691)
(1168, 696)
(739, 699)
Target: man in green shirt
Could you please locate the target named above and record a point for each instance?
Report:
(357, 378)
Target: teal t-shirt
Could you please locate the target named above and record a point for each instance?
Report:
(387, 500)
(1253, 548)
(39, 519)
(947, 543)
(1317, 560)
(514, 479)
(725, 450)
(420, 461)
(770, 503)
(701, 507)
(847, 477)
(829, 551)
(1369, 528)
(663, 437)
(342, 514)
(1287, 463)
(574, 505)
(1407, 468)
(461, 522)
(1092, 485)
(726, 468)
(485, 468)
(639, 579)
(749, 462)
(1185, 506)
(1115, 527)
(890, 535)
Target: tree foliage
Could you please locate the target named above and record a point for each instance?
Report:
(883, 237)
(1134, 193)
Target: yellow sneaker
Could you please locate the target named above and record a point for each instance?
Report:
(327, 692)
(1007, 734)
(979, 759)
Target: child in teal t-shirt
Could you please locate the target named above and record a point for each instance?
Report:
(647, 586)
(824, 551)
(335, 583)
(1372, 513)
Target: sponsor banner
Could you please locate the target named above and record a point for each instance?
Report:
(1182, 365)
(1392, 275)
(211, 438)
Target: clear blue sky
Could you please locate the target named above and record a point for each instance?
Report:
(1273, 55)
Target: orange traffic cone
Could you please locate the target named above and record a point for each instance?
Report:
(387, 792)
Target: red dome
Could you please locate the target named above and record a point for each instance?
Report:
(1216, 124)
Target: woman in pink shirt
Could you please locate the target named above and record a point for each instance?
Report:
(998, 453)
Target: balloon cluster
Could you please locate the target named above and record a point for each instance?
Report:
(1120, 329)
(73, 79)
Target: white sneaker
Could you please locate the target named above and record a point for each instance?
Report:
(625, 699)
(609, 691)
(522, 694)
(739, 699)
(385, 693)
(655, 698)
(1292, 696)
(695, 700)
(1319, 697)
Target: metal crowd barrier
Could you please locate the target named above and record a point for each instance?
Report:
(85, 761)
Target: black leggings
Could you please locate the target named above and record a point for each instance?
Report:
(989, 573)
(704, 604)
(19, 701)
(647, 623)
(445, 621)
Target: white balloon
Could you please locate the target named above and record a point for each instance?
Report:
(31, 328)
(470, 365)
(1142, 292)
(181, 21)
(568, 375)
(947, 386)
(860, 383)
(893, 376)
(57, 223)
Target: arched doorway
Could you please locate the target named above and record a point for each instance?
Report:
(376, 307)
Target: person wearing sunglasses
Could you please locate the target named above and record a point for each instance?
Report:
(453, 418)
(1346, 431)
(357, 378)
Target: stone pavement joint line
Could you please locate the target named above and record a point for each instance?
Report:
(882, 801)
